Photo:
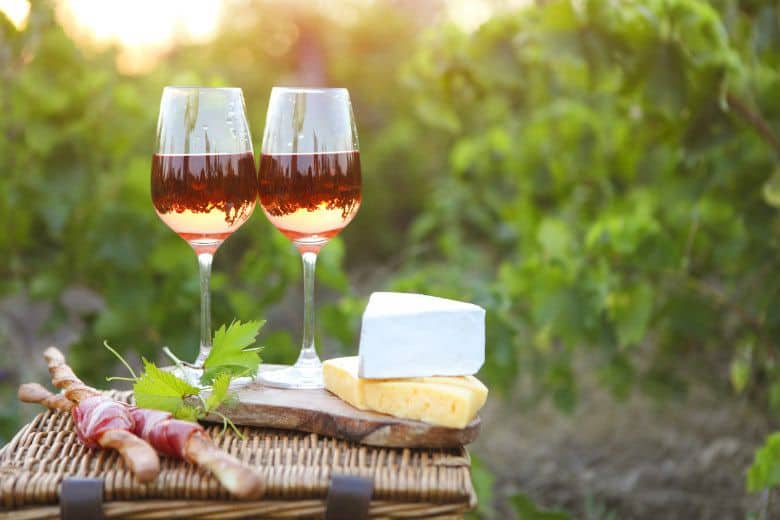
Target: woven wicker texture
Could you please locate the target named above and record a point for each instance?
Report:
(296, 467)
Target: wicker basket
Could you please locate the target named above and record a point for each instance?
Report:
(297, 469)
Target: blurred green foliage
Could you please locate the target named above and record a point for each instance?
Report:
(484, 483)
(605, 191)
(765, 470)
(602, 176)
(525, 509)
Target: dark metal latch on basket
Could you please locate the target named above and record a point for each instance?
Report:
(349, 498)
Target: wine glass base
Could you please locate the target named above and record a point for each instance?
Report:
(238, 382)
(293, 377)
(190, 374)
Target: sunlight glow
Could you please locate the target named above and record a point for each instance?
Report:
(143, 29)
(17, 11)
(469, 15)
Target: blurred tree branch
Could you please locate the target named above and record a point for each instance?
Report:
(756, 120)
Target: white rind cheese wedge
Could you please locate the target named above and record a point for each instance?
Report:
(445, 401)
(414, 335)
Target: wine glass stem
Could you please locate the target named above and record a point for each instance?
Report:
(308, 357)
(204, 262)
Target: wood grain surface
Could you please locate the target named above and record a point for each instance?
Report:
(319, 411)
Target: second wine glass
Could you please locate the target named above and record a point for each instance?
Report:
(309, 185)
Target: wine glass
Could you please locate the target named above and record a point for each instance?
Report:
(310, 190)
(204, 185)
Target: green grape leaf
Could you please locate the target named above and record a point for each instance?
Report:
(161, 390)
(765, 470)
(630, 311)
(771, 189)
(219, 391)
(232, 351)
(739, 373)
(555, 238)
(188, 412)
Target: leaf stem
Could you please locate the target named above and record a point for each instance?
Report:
(227, 421)
(120, 378)
(121, 359)
(176, 361)
(756, 120)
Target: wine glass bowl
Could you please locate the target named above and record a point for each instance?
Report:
(204, 198)
(310, 197)
(203, 182)
(310, 188)
(203, 179)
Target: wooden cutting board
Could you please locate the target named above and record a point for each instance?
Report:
(319, 411)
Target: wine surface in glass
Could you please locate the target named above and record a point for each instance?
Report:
(204, 197)
(310, 195)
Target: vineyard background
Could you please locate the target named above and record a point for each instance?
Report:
(600, 175)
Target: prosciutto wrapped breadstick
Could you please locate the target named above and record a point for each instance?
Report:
(179, 439)
(189, 441)
(100, 421)
(35, 393)
(100, 424)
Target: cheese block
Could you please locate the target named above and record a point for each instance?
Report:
(445, 401)
(415, 335)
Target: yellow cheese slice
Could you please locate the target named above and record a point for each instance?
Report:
(451, 401)
(340, 377)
